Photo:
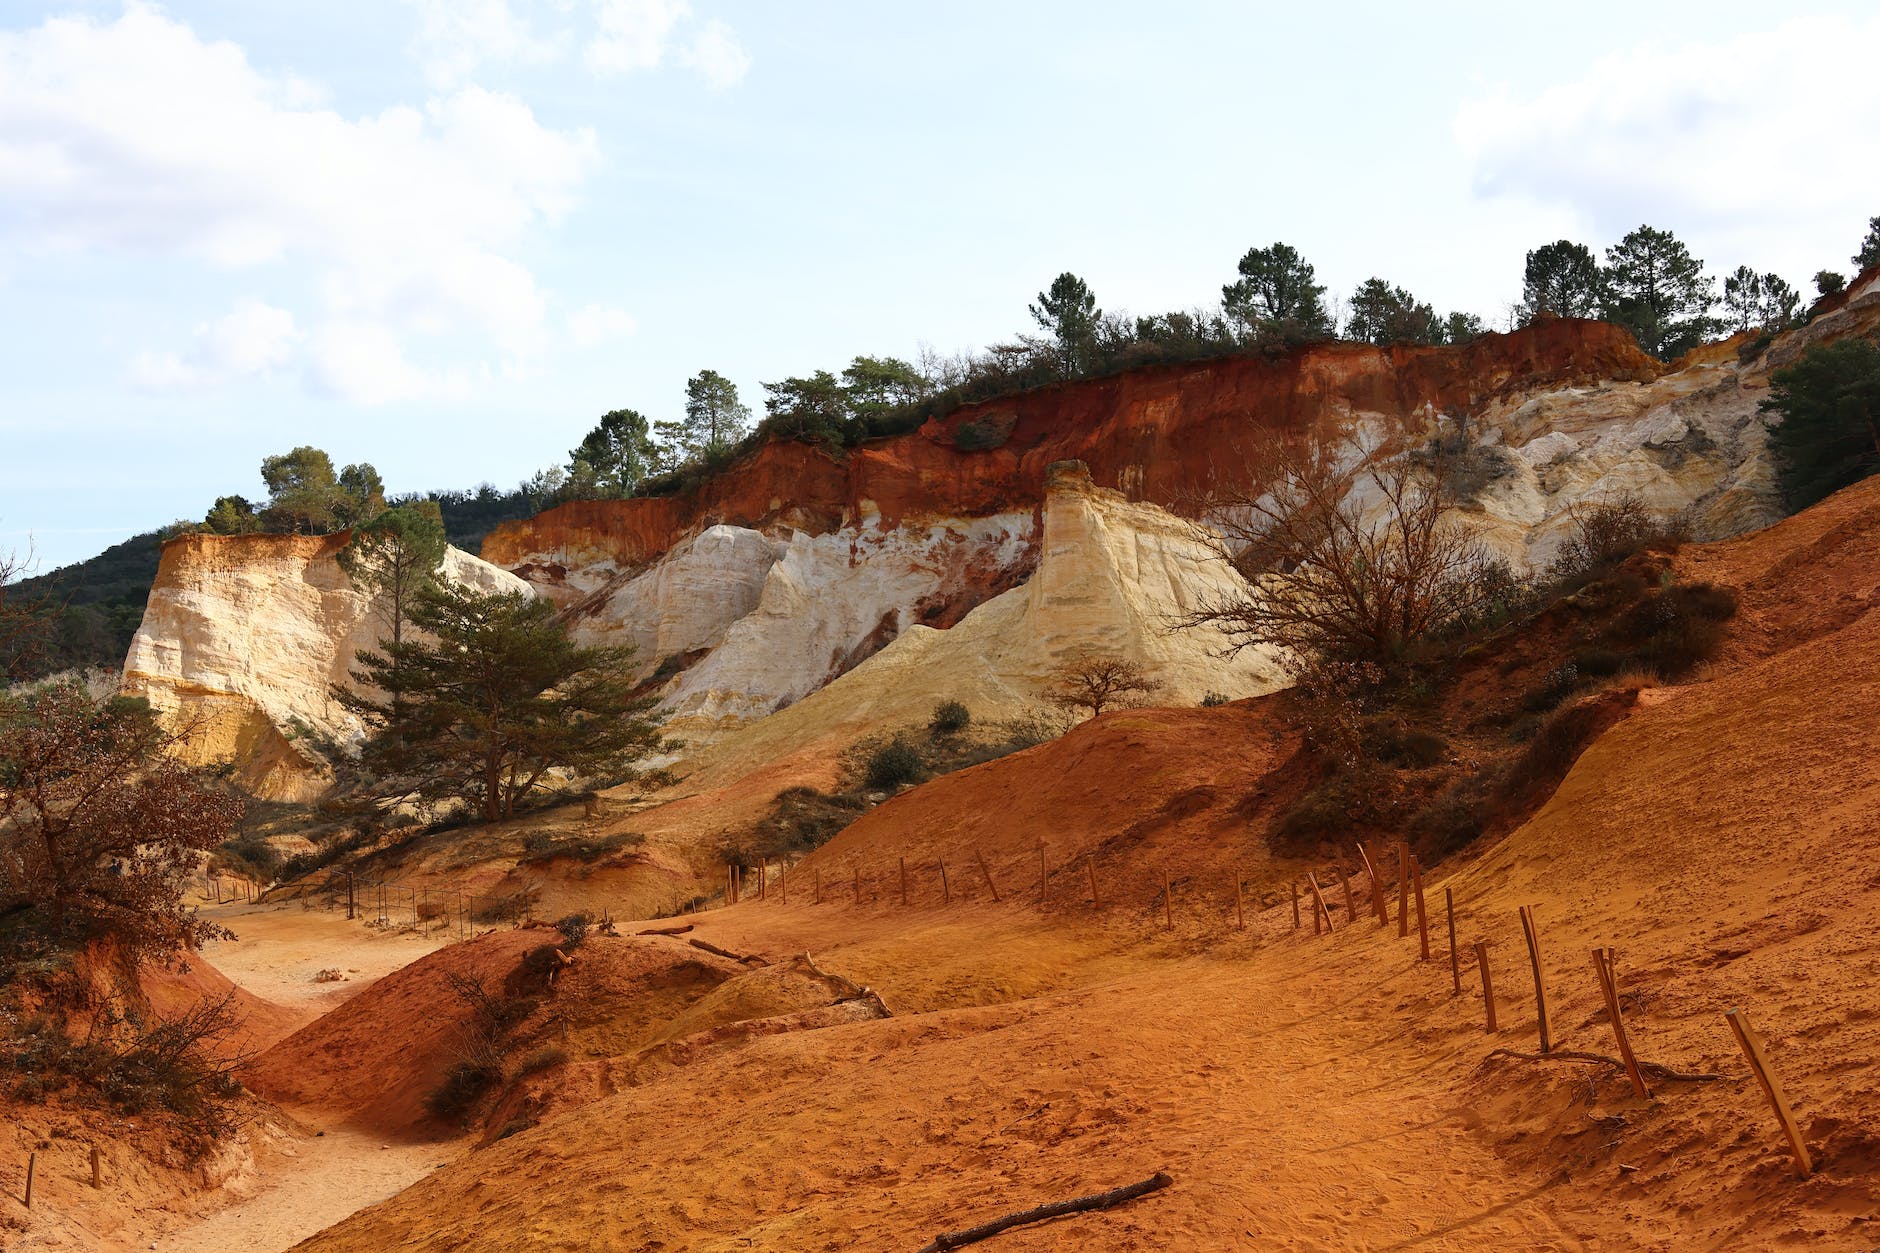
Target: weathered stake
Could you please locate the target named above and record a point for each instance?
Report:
(1403, 889)
(1377, 886)
(1318, 905)
(1351, 910)
(946, 888)
(1455, 963)
(1488, 983)
(987, 871)
(858, 885)
(1423, 923)
(763, 879)
(1043, 880)
(1168, 900)
(1534, 959)
(904, 881)
(1752, 1046)
(97, 1174)
(1295, 892)
(32, 1165)
(1608, 988)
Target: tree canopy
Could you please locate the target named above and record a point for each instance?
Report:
(305, 495)
(612, 458)
(99, 823)
(1068, 313)
(493, 699)
(1869, 253)
(1276, 295)
(1563, 280)
(1828, 435)
(394, 557)
(1755, 300)
(1384, 314)
(1657, 290)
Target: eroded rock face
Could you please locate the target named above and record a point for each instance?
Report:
(244, 637)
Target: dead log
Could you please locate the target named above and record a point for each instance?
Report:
(736, 957)
(1100, 1200)
(679, 930)
(1654, 1069)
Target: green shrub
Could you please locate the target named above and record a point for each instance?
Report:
(949, 718)
(1677, 628)
(894, 764)
(539, 847)
(1214, 700)
(574, 930)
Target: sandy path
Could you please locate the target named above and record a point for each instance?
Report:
(309, 1188)
(278, 952)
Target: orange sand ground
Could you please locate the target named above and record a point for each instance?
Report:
(1305, 1092)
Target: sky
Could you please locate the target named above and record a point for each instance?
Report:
(445, 236)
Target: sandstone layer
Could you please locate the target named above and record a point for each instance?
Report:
(243, 640)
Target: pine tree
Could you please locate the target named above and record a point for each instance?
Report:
(493, 700)
(1068, 311)
(612, 458)
(1829, 430)
(1276, 296)
(1657, 290)
(1561, 280)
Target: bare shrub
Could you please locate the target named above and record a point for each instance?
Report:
(1093, 682)
(1369, 554)
(1604, 533)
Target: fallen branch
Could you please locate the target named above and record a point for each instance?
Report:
(855, 991)
(1654, 1069)
(722, 952)
(1100, 1200)
(681, 930)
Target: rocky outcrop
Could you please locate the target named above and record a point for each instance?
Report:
(1113, 576)
(244, 637)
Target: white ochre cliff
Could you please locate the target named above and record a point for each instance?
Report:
(244, 637)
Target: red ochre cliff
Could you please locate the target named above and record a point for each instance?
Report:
(1152, 432)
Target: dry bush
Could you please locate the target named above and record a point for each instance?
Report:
(1372, 556)
(1093, 682)
(1605, 533)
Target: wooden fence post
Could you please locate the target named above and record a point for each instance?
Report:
(1043, 879)
(97, 1173)
(1534, 959)
(1377, 887)
(763, 879)
(350, 913)
(1488, 983)
(1455, 964)
(946, 887)
(1090, 865)
(1609, 988)
(1351, 909)
(1295, 894)
(1168, 900)
(1752, 1047)
(1403, 890)
(904, 881)
(32, 1165)
(858, 884)
(1318, 905)
(1423, 922)
(991, 883)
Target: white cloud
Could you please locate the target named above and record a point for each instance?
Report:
(632, 34)
(251, 340)
(1739, 142)
(365, 362)
(456, 38)
(138, 136)
(596, 324)
(715, 53)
